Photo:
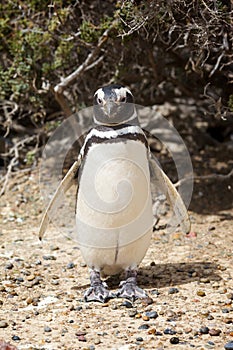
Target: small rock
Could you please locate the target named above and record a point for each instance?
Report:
(144, 326)
(54, 282)
(127, 304)
(201, 293)
(145, 318)
(228, 320)
(147, 301)
(155, 292)
(152, 331)
(173, 290)
(70, 265)
(230, 296)
(169, 331)
(49, 257)
(215, 332)
(188, 330)
(54, 247)
(210, 317)
(132, 312)
(152, 314)
(78, 333)
(229, 346)
(30, 277)
(204, 330)
(15, 338)
(29, 300)
(19, 279)
(47, 329)
(3, 324)
(38, 262)
(82, 264)
(174, 340)
(82, 338)
(9, 266)
(225, 311)
(139, 339)
(204, 280)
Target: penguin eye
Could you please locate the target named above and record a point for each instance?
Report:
(123, 99)
(99, 101)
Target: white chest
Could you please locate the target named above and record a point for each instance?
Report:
(114, 207)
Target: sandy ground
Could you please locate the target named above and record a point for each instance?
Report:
(41, 290)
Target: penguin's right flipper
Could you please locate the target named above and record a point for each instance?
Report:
(65, 184)
(161, 180)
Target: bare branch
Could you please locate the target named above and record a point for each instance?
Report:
(214, 176)
(59, 88)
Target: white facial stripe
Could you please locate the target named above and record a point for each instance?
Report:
(122, 92)
(100, 94)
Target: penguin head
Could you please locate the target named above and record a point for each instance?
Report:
(113, 105)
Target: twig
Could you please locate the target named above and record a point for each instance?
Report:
(59, 88)
(89, 63)
(214, 176)
(13, 162)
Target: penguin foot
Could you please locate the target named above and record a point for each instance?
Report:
(97, 293)
(130, 290)
(98, 290)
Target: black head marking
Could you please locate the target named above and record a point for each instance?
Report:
(113, 105)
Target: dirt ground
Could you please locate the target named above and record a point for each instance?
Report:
(189, 280)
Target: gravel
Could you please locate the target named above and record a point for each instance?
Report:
(41, 295)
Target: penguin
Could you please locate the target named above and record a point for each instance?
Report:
(114, 207)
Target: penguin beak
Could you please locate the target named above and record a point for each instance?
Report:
(109, 106)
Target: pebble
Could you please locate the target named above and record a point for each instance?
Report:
(78, 333)
(127, 304)
(139, 339)
(54, 282)
(49, 257)
(225, 311)
(82, 338)
(229, 346)
(145, 318)
(147, 301)
(47, 329)
(144, 326)
(70, 265)
(152, 314)
(173, 290)
(15, 338)
(201, 293)
(169, 331)
(9, 266)
(132, 312)
(30, 277)
(155, 292)
(3, 324)
(204, 330)
(174, 340)
(214, 332)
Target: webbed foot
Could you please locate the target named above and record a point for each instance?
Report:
(98, 290)
(129, 289)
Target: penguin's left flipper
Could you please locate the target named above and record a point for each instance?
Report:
(65, 184)
(160, 180)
